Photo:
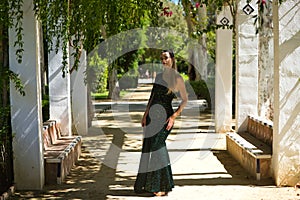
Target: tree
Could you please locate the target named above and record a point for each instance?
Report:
(200, 19)
(83, 24)
(171, 18)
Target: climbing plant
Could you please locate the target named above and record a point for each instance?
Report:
(83, 24)
(11, 16)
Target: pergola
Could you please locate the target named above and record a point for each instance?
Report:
(264, 68)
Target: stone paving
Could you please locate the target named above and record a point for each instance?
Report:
(201, 166)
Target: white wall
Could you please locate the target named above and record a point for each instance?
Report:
(246, 66)
(59, 92)
(286, 143)
(79, 98)
(26, 111)
(223, 89)
(266, 66)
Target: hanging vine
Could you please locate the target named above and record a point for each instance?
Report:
(11, 16)
(82, 24)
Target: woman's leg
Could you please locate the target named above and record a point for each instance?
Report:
(159, 179)
(143, 167)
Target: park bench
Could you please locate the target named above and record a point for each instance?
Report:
(60, 152)
(253, 148)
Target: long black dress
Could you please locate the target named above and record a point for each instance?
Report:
(155, 172)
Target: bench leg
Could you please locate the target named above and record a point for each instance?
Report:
(59, 173)
(258, 169)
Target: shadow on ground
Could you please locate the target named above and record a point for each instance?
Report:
(90, 178)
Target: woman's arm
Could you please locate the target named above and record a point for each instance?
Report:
(147, 109)
(180, 86)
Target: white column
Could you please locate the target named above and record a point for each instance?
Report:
(286, 140)
(266, 66)
(223, 88)
(59, 92)
(246, 66)
(79, 98)
(26, 111)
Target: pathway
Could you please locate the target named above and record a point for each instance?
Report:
(202, 168)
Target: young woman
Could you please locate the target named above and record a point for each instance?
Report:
(155, 174)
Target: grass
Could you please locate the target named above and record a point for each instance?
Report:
(98, 96)
(104, 95)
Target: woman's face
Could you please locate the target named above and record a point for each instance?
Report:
(166, 59)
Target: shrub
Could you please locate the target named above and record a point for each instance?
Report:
(130, 78)
(97, 74)
(201, 89)
(128, 81)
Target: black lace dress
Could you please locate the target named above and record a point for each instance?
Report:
(155, 172)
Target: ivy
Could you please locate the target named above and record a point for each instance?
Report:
(11, 16)
(17, 81)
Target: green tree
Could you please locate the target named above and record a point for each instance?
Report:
(201, 21)
(171, 19)
(83, 24)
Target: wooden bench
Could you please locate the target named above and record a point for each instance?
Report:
(253, 148)
(60, 153)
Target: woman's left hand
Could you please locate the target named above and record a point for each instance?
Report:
(170, 123)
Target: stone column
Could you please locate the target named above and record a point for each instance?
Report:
(246, 64)
(286, 140)
(266, 65)
(79, 98)
(223, 89)
(59, 92)
(26, 111)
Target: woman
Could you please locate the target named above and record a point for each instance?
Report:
(155, 174)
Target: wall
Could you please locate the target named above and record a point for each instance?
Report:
(246, 66)
(223, 79)
(26, 111)
(266, 65)
(59, 91)
(286, 142)
(79, 98)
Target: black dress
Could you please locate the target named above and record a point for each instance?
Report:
(155, 172)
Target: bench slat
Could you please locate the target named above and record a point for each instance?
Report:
(60, 153)
(251, 153)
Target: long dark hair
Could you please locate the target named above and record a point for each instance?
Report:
(171, 76)
(172, 55)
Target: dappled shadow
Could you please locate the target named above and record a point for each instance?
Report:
(104, 170)
(236, 174)
(90, 178)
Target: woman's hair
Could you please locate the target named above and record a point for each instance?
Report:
(171, 76)
(174, 66)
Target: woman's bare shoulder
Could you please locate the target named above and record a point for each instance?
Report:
(179, 78)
